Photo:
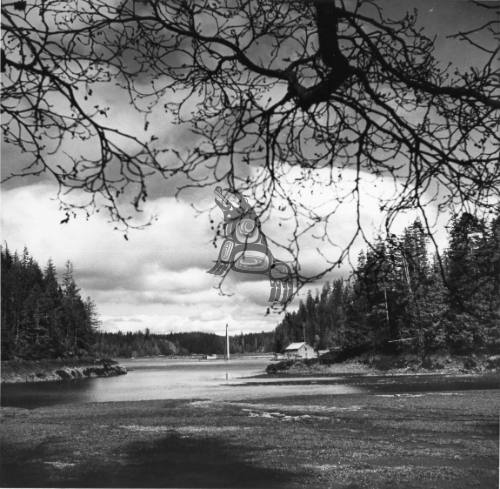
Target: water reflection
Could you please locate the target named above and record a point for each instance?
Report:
(219, 380)
(147, 379)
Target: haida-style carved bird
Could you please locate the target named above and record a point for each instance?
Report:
(245, 247)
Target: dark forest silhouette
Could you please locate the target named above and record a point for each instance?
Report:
(401, 298)
(144, 343)
(42, 318)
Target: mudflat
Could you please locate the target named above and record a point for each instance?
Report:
(426, 440)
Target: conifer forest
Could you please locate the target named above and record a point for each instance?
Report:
(400, 297)
(43, 317)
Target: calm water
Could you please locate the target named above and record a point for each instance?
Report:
(219, 380)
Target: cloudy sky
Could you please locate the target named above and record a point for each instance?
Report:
(157, 279)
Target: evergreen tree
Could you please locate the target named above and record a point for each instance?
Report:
(398, 299)
(39, 318)
(469, 284)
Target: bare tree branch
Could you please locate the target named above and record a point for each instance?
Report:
(303, 90)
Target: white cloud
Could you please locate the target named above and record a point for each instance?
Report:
(157, 279)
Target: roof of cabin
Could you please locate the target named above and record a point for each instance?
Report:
(294, 346)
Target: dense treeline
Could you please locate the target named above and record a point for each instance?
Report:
(145, 344)
(40, 317)
(43, 317)
(402, 298)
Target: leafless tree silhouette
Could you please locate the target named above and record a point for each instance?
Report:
(270, 90)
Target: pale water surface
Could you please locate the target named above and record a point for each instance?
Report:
(162, 378)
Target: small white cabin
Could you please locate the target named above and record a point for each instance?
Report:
(299, 350)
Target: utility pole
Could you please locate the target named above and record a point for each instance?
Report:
(386, 306)
(227, 344)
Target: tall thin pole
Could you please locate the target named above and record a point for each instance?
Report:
(386, 306)
(227, 344)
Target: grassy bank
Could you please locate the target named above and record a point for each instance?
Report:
(20, 371)
(437, 440)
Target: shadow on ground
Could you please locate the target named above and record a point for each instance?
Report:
(172, 461)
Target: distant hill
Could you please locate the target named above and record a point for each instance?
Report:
(146, 343)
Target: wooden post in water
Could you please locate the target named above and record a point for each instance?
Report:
(227, 344)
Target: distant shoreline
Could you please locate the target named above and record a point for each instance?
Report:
(56, 370)
(200, 357)
(388, 365)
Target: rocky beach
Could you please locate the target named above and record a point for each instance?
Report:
(22, 371)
